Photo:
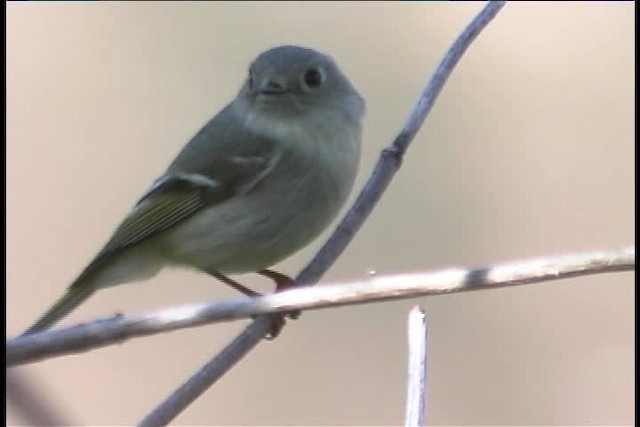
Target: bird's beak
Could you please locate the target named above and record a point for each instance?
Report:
(272, 87)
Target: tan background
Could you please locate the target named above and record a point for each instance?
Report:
(529, 152)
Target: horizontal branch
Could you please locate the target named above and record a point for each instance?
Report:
(31, 348)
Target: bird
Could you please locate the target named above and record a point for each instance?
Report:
(259, 181)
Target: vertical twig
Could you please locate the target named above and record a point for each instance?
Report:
(417, 373)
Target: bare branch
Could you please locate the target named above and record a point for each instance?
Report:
(31, 348)
(417, 372)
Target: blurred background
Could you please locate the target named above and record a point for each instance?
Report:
(528, 152)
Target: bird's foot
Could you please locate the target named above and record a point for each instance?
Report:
(283, 283)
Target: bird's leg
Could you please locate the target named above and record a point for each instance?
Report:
(278, 320)
(235, 285)
(283, 282)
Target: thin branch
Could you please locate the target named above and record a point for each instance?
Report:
(417, 372)
(38, 346)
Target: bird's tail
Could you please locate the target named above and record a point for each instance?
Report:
(75, 295)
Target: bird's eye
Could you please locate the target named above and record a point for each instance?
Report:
(313, 78)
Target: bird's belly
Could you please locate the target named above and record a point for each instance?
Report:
(241, 236)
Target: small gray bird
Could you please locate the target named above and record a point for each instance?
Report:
(258, 182)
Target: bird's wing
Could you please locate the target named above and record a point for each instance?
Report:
(223, 160)
(176, 196)
(170, 200)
